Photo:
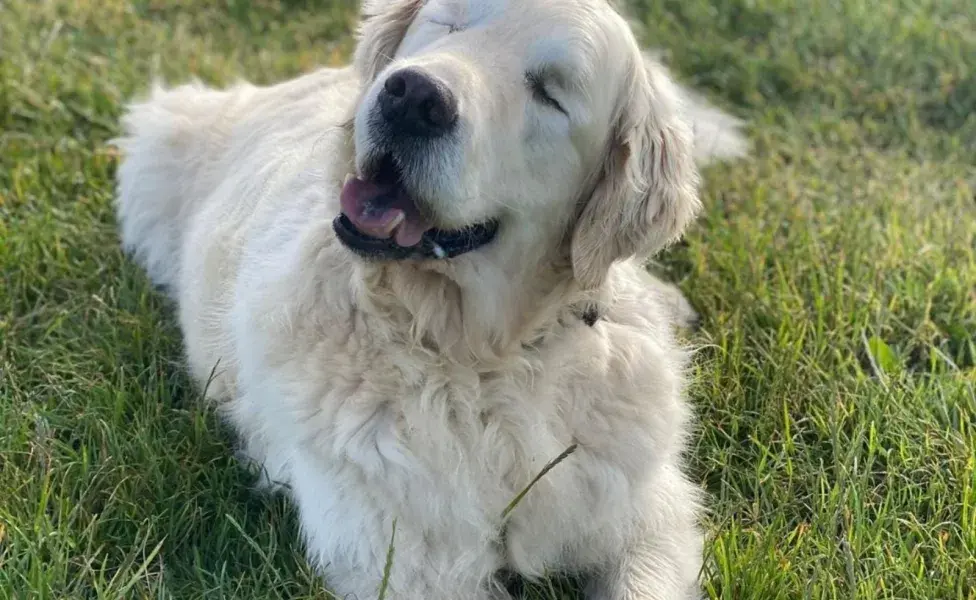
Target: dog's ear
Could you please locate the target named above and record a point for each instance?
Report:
(381, 29)
(648, 189)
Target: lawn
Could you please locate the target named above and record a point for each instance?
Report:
(836, 272)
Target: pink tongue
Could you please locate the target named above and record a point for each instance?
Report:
(382, 211)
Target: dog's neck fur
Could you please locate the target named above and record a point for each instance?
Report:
(483, 307)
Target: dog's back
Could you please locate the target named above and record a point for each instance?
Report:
(175, 148)
(172, 146)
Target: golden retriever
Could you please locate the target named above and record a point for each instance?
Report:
(411, 283)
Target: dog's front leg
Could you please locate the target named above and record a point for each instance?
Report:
(662, 559)
(662, 569)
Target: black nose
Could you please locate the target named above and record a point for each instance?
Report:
(417, 105)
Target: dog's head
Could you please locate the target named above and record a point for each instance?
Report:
(481, 116)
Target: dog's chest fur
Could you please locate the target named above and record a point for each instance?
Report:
(433, 440)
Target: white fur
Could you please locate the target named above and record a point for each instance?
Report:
(432, 393)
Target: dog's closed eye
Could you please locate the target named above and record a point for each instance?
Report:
(537, 83)
(451, 27)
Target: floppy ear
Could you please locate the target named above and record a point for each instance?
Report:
(648, 192)
(383, 25)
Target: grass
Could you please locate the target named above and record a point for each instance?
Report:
(836, 272)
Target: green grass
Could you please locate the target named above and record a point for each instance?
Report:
(836, 272)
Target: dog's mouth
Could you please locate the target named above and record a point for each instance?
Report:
(382, 219)
(380, 207)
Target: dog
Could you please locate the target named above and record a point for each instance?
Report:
(412, 282)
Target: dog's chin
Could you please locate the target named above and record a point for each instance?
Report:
(383, 218)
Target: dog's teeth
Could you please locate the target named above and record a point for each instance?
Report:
(438, 251)
(395, 222)
(349, 177)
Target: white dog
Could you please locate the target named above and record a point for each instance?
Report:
(412, 283)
